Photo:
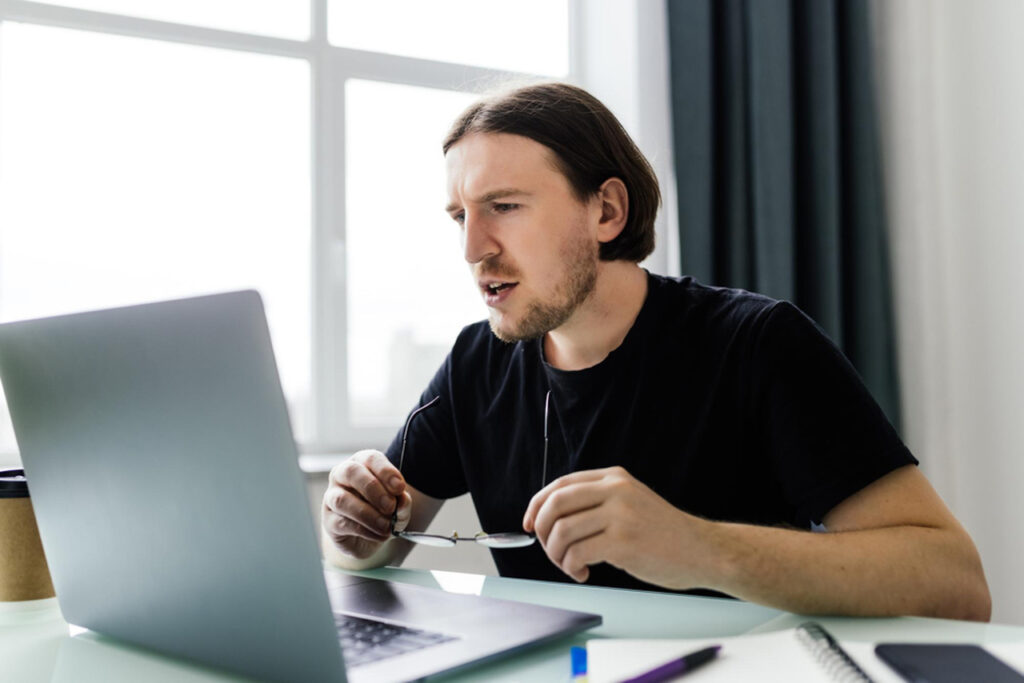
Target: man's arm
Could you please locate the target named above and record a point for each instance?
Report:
(892, 548)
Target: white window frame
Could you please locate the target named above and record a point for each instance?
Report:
(637, 95)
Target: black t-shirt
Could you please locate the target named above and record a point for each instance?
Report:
(730, 405)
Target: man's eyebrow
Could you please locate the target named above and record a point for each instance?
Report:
(490, 197)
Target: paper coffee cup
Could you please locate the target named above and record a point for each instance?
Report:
(23, 571)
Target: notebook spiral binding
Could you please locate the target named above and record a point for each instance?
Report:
(832, 657)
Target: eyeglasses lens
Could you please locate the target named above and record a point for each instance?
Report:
(505, 540)
(428, 539)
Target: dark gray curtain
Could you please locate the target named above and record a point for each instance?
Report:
(778, 169)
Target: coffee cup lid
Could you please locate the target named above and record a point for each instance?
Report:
(13, 484)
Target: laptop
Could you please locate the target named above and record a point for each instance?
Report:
(165, 482)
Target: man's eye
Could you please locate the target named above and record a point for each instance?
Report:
(505, 208)
(459, 218)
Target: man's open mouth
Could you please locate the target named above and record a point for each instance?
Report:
(496, 287)
(495, 293)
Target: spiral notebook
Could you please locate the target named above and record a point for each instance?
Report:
(794, 656)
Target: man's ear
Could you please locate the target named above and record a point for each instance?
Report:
(614, 201)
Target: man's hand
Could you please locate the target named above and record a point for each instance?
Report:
(360, 501)
(606, 515)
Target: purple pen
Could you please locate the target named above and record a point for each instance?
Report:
(676, 667)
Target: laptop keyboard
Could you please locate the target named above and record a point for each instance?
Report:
(366, 640)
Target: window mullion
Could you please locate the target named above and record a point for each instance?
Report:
(153, 29)
(318, 23)
(330, 340)
(426, 73)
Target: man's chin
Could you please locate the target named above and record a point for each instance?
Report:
(537, 322)
(506, 330)
(502, 331)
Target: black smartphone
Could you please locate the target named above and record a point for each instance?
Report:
(941, 663)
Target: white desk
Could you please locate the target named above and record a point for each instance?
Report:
(36, 644)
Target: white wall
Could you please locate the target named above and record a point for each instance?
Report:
(951, 77)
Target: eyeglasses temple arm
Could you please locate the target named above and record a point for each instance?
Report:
(401, 458)
(405, 432)
(544, 471)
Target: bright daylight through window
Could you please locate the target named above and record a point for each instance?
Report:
(156, 150)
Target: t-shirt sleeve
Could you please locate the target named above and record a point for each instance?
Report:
(826, 436)
(431, 463)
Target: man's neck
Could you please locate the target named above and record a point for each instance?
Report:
(602, 322)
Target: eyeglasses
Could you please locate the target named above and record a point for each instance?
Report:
(508, 539)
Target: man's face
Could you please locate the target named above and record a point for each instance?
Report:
(530, 243)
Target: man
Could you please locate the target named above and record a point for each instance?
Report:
(651, 432)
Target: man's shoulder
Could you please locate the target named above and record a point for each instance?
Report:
(686, 302)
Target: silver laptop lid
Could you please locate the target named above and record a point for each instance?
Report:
(130, 423)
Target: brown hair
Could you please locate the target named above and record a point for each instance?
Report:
(589, 144)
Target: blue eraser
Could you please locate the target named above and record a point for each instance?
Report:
(579, 660)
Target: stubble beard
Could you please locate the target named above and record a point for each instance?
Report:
(543, 316)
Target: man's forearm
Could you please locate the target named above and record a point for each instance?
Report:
(874, 572)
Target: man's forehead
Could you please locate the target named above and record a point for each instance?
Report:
(484, 163)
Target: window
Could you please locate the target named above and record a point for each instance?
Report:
(130, 173)
(154, 150)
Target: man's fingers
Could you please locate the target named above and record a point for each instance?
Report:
(567, 500)
(582, 554)
(404, 512)
(381, 467)
(571, 529)
(340, 528)
(541, 496)
(356, 477)
(346, 503)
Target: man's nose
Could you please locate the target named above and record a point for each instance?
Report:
(478, 242)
